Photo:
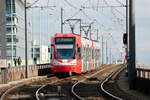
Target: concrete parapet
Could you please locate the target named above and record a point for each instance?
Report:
(33, 71)
(18, 73)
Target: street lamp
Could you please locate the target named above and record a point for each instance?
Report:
(26, 53)
(110, 55)
(107, 47)
(25, 17)
(12, 32)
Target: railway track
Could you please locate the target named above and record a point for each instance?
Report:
(26, 91)
(81, 90)
(61, 89)
(112, 76)
(110, 87)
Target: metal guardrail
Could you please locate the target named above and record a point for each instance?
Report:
(143, 73)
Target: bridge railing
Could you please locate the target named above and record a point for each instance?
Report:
(143, 73)
(17, 73)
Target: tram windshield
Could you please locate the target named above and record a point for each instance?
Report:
(65, 48)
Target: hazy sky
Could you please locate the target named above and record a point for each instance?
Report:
(142, 31)
(45, 22)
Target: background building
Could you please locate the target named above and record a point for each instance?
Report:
(15, 38)
(40, 53)
(2, 30)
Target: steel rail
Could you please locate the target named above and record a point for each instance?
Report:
(73, 87)
(37, 92)
(106, 80)
(19, 84)
(10, 89)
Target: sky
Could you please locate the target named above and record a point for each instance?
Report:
(45, 22)
(142, 19)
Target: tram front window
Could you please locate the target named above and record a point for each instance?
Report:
(65, 48)
(65, 54)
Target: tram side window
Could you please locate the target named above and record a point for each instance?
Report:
(78, 52)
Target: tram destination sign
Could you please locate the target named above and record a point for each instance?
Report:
(66, 40)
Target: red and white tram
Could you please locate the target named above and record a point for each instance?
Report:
(72, 53)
